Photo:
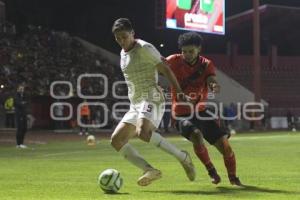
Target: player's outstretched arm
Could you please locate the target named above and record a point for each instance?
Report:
(166, 72)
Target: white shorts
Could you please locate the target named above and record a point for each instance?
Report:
(153, 111)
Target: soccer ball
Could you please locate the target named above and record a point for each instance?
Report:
(91, 140)
(110, 181)
(232, 132)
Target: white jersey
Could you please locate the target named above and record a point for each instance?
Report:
(140, 73)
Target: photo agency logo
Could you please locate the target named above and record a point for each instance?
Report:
(69, 94)
(249, 111)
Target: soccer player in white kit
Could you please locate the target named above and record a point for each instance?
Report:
(140, 63)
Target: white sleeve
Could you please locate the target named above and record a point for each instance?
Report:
(152, 54)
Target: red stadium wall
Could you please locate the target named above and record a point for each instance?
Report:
(279, 75)
(40, 110)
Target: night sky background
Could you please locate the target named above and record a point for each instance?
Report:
(92, 19)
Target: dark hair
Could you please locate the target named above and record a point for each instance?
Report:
(122, 24)
(190, 38)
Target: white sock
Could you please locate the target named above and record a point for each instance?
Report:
(163, 144)
(132, 155)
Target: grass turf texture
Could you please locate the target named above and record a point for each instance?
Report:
(269, 164)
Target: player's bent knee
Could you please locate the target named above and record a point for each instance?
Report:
(196, 137)
(114, 143)
(117, 143)
(144, 135)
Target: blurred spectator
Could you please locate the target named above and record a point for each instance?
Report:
(59, 112)
(85, 115)
(265, 121)
(9, 112)
(291, 120)
(7, 28)
(21, 102)
(252, 122)
(230, 113)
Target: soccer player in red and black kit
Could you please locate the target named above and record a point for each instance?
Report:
(196, 75)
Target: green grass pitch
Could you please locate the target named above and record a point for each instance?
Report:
(269, 164)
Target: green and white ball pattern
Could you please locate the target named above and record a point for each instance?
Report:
(110, 181)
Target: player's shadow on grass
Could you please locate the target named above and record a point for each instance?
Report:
(251, 188)
(227, 190)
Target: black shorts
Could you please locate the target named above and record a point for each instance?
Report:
(210, 129)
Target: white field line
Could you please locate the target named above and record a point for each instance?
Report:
(27, 141)
(233, 137)
(62, 153)
(259, 137)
